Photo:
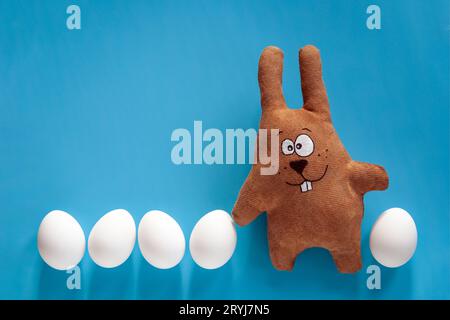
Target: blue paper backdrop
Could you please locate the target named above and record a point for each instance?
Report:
(86, 118)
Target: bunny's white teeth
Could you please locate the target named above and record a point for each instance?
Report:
(306, 186)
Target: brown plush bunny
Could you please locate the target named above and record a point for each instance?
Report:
(316, 197)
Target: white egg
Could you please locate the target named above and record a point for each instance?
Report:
(213, 240)
(112, 239)
(61, 241)
(161, 240)
(393, 239)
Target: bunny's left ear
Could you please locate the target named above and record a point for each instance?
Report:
(313, 89)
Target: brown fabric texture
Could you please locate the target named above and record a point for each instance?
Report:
(316, 197)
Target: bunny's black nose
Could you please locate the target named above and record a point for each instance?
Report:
(298, 165)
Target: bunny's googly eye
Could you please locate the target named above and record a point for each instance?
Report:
(287, 147)
(304, 145)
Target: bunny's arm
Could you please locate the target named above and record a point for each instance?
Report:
(366, 177)
(249, 204)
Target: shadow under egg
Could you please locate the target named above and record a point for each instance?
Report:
(53, 284)
(154, 283)
(208, 284)
(111, 283)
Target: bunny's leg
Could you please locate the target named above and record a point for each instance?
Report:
(283, 258)
(346, 249)
(348, 260)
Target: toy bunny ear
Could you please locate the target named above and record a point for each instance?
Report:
(270, 73)
(313, 89)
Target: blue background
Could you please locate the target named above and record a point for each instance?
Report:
(86, 118)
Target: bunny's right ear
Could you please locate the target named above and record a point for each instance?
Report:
(270, 73)
(313, 89)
